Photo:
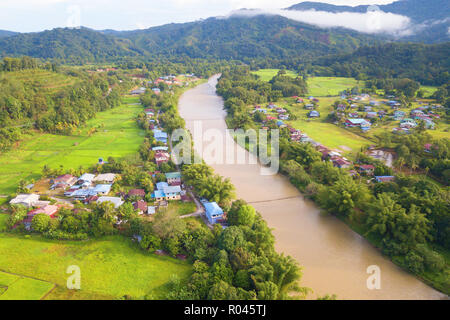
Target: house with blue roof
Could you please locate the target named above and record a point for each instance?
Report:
(160, 136)
(159, 195)
(161, 185)
(102, 189)
(313, 114)
(172, 192)
(214, 213)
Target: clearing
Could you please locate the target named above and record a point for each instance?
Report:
(268, 74)
(330, 86)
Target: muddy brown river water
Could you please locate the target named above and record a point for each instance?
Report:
(334, 258)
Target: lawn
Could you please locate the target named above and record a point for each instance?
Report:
(182, 208)
(117, 135)
(112, 267)
(268, 74)
(331, 135)
(330, 86)
(14, 287)
(429, 90)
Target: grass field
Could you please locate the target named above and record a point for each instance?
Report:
(117, 135)
(43, 79)
(14, 287)
(112, 267)
(268, 74)
(330, 86)
(429, 90)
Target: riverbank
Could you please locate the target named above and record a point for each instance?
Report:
(335, 258)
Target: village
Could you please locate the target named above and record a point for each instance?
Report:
(48, 195)
(359, 114)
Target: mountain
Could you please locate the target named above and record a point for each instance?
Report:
(239, 37)
(430, 19)
(80, 45)
(5, 33)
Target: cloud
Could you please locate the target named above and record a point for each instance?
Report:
(373, 21)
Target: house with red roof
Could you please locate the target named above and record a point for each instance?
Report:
(136, 193)
(140, 206)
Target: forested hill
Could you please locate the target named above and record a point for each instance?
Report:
(430, 19)
(236, 37)
(418, 10)
(239, 37)
(5, 33)
(78, 45)
(428, 64)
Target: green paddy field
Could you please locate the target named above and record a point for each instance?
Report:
(111, 268)
(117, 135)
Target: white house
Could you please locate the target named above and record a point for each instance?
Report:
(27, 200)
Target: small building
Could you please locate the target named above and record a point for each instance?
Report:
(213, 212)
(151, 210)
(49, 210)
(363, 124)
(102, 189)
(86, 178)
(159, 195)
(161, 157)
(65, 181)
(160, 136)
(173, 178)
(117, 202)
(27, 200)
(136, 193)
(341, 163)
(106, 178)
(172, 193)
(399, 115)
(381, 179)
(367, 169)
(141, 207)
(139, 91)
(160, 149)
(161, 185)
(313, 114)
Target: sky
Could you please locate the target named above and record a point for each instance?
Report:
(38, 15)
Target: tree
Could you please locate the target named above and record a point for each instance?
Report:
(241, 214)
(231, 238)
(399, 230)
(17, 215)
(40, 222)
(343, 196)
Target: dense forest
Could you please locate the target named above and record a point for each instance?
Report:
(236, 37)
(405, 218)
(427, 64)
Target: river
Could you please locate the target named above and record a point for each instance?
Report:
(334, 258)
